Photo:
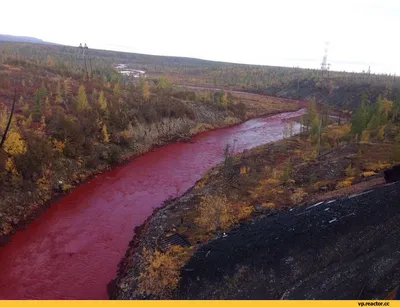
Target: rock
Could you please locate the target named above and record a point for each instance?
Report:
(392, 174)
(111, 287)
(323, 188)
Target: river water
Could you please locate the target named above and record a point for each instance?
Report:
(72, 250)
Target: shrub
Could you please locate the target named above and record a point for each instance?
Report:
(114, 155)
(215, 212)
(161, 271)
(350, 171)
(375, 166)
(298, 196)
(268, 205)
(344, 184)
(13, 144)
(368, 174)
(39, 153)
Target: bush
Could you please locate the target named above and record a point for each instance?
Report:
(238, 109)
(114, 155)
(298, 196)
(375, 166)
(368, 174)
(350, 171)
(161, 271)
(344, 184)
(216, 212)
(33, 161)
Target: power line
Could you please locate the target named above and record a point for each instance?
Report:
(325, 66)
(83, 55)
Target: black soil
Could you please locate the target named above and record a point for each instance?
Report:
(346, 249)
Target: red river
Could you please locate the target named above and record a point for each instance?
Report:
(72, 250)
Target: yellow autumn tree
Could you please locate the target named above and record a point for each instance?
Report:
(67, 86)
(14, 144)
(47, 103)
(385, 105)
(49, 61)
(10, 167)
(106, 136)
(58, 93)
(116, 90)
(58, 145)
(214, 213)
(163, 83)
(82, 103)
(145, 90)
(3, 119)
(224, 99)
(21, 101)
(102, 101)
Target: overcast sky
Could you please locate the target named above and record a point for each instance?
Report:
(281, 32)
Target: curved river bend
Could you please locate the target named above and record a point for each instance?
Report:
(72, 250)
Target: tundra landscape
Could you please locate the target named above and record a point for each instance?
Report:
(133, 176)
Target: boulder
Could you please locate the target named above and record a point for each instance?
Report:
(392, 174)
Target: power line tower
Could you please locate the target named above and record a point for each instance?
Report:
(83, 55)
(325, 66)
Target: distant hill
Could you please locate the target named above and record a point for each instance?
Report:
(22, 39)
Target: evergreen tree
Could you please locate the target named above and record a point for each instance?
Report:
(311, 117)
(359, 121)
(37, 107)
(58, 93)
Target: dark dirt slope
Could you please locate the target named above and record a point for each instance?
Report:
(346, 249)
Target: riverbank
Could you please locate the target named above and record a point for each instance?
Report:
(206, 118)
(74, 246)
(258, 183)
